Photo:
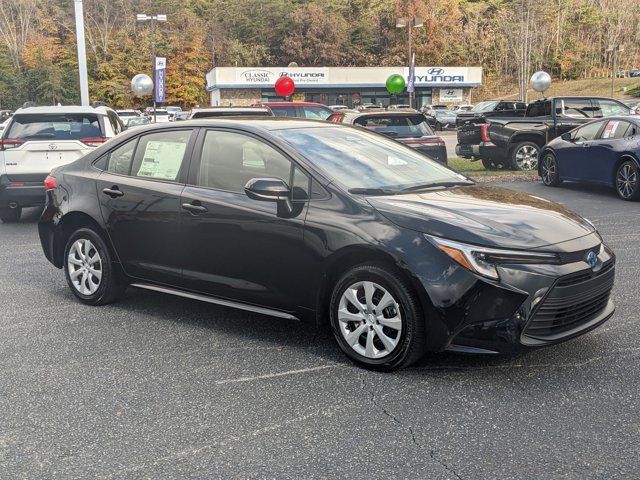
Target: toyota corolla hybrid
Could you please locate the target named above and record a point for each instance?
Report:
(303, 219)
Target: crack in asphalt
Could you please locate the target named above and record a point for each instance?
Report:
(374, 402)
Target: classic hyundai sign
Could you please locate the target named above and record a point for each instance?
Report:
(160, 79)
(269, 75)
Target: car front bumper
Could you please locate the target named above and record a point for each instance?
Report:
(530, 306)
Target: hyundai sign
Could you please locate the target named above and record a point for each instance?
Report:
(440, 76)
(160, 79)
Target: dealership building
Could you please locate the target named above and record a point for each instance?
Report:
(351, 86)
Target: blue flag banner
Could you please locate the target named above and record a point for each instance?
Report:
(160, 79)
(412, 75)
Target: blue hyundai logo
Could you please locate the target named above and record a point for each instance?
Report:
(592, 259)
(435, 71)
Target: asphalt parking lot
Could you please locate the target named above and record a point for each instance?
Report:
(163, 387)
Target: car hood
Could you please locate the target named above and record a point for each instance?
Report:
(480, 215)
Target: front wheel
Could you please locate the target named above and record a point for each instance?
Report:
(524, 156)
(10, 215)
(88, 269)
(549, 170)
(376, 318)
(628, 181)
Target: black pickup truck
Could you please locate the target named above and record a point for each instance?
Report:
(516, 142)
(491, 108)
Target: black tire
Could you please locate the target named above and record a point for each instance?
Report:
(488, 164)
(530, 155)
(110, 286)
(549, 170)
(10, 215)
(627, 181)
(411, 339)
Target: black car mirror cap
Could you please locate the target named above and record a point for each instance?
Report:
(267, 189)
(566, 136)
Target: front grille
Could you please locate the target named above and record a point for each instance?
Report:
(574, 300)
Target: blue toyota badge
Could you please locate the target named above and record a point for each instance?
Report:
(591, 259)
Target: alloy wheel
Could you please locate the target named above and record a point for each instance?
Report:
(370, 319)
(527, 157)
(549, 170)
(85, 266)
(626, 180)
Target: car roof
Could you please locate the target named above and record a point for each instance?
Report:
(383, 113)
(64, 109)
(290, 104)
(230, 109)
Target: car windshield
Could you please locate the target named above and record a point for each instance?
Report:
(55, 126)
(444, 113)
(397, 126)
(364, 162)
(484, 107)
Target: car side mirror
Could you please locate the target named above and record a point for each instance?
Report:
(566, 136)
(267, 189)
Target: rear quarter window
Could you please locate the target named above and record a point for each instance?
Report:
(58, 126)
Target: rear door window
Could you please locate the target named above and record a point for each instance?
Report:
(159, 156)
(615, 129)
(578, 108)
(54, 126)
(609, 108)
(588, 132)
(316, 113)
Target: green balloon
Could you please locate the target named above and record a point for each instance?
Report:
(395, 84)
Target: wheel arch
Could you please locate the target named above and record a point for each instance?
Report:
(352, 256)
(71, 222)
(532, 137)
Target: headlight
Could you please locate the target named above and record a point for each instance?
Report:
(483, 260)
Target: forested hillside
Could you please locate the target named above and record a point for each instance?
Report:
(509, 38)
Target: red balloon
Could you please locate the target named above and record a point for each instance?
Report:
(285, 86)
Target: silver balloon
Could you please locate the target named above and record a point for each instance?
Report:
(540, 81)
(142, 84)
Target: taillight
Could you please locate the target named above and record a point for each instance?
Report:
(93, 141)
(9, 144)
(50, 183)
(484, 133)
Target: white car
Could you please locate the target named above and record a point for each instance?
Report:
(172, 111)
(38, 139)
(126, 115)
(160, 116)
(335, 108)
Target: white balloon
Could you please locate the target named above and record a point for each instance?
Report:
(540, 81)
(142, 84)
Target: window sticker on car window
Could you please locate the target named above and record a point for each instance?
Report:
(162, 160)
(610, 130)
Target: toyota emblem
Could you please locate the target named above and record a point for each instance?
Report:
(53, 146)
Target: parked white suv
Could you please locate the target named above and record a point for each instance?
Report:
(38, 139)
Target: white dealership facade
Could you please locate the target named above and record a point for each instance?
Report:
(349, 86)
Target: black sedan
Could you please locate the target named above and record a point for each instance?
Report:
(410, 128)
(312, 220)
(605, 151)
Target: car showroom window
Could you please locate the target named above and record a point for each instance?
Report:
(609, 108)
(121, 158)
(588, 132)
(229, 160)
(159, 155)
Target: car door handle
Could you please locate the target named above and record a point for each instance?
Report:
(113, 192)
(194, 207)
(586, 145)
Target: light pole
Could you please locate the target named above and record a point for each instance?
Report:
(82, 54)
(142, 17)
(614, 54)
(409, 23)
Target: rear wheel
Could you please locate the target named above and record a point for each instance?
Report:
(376, 318)
(524, 156)
(88, 269)
(549, 170)
(10, 215)
(628, 180)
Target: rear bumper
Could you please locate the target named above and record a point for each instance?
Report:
(437, 152)
(486, 150)
(22, 194)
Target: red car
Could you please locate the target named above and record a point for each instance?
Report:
(315, 111)
(410, 128)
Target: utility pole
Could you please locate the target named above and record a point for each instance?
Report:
(142, 17)
(614, 51)
(82, 54)
(409, 23)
